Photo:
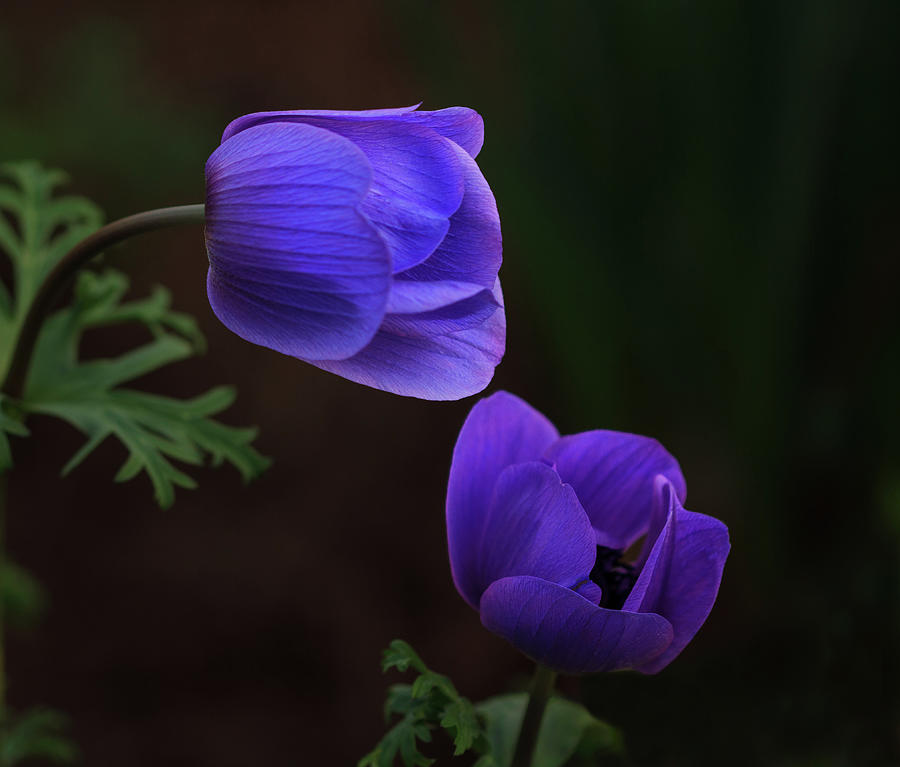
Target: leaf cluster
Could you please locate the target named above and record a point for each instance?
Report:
(430, 703)
(569, 735)
(37, 229)
(36, 734)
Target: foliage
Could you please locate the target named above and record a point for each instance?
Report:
(88, 394)
(569, 734)
(431, 701)
(22, 599)
(36, 232)
(10, 423)
(36, 734)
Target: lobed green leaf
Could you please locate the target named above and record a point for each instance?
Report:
(400, 655)
(430, 702)
(36, 734)
(37, 228)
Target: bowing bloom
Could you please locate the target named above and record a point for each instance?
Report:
(365, 243)
(540, 529)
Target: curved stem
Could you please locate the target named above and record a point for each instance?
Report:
(541, 687)
(69, 265)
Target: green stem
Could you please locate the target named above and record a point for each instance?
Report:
(65, 270)
(541, 687)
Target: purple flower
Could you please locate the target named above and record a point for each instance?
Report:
(366, 243)
(541, 529)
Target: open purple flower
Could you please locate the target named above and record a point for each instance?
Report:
(540, 530)
(366, 243)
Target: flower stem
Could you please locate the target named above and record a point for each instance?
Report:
(538, 695)
(69, 265)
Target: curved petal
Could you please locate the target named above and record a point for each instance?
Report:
(446, 354)
(501, 430)
(656, 559)
(472, 251)
(535, 526)
(561, 629)
(685, 591)
(417, 183)
(408, 297)
(288, 115)
(463, 126)
(613, 474)
(294, 265)
(464, 314)
(417, 180)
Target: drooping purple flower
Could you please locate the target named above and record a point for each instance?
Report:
(366, 243)
(541, 530)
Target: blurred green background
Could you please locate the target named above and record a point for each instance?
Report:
(701, 215)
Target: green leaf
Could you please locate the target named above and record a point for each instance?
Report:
(461, 720)
(400, 655)
(430, 702)
(37, 229)
(36, 734)
(23, 598)
(10, 423)
(568, 730)
(400, 739)
(155, 430)
(43, 229)
(429, 681)
(399, 701)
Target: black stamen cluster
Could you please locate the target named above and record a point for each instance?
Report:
(615, 577)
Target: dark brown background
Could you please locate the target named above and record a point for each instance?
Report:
(700, 221)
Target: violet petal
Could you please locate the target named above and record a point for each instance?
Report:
(500, 431)
(408, 297)
(417, 181)
(472, 251)
(294, 265)
(691, 582)
(613, 474)
(561, 629)
(535, 526)
(435, 355)
(288, 115)
(463, 126)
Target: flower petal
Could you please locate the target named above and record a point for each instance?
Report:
(535, 526)
(472, 251)
(685, 591)
(294, 265)
(613, 474)
(500, 431)
(287, 115)
(561, 629)
(446, 354)
(463, 126)
(408, 297)
(464, 314)
(656, 558)
(417, 181)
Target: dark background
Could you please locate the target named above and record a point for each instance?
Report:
(700, 208)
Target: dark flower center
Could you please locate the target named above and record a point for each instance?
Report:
(615, 577)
